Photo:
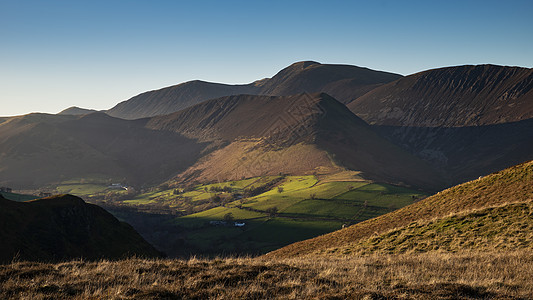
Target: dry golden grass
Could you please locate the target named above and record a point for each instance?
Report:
(505, 275)
(504, 227)
(511, 185)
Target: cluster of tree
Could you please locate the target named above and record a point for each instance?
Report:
(218, 189)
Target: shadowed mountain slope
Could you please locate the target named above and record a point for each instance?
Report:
(465, 153)
(74, 110)
(65, 227)
(466, 120)
(266, 130)
(39, 149)
(512, 185)
(344, 82)
(175, 98)
(451, 97)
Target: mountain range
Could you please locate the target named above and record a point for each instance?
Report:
(428, 130)
(344, 82)
(466, 120)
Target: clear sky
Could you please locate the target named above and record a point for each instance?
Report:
(94, 54)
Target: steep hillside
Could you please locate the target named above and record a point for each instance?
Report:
(465, 153)
(513, 185)
(505, 227)
(40, 149)
(451, 97)
(344, 82)
(74, 110)
(300, 134)
(467, 121)
(65, 227)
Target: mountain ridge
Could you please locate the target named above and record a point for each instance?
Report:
(468, 95)
(344, 82)
(270, 124)
(65, 227)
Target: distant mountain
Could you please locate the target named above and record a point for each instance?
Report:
(466, 120)
(41, 149)
(300, 134)
(74, 110)
(487, 213)
(175, 98)
(451, 97)
(65, 227)
(225, 138)
(344, 82)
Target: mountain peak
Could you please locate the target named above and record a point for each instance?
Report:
(303, 64)
(74, 110)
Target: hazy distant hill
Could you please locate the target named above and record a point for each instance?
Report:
(171, 99)
(343, 82)
(451, 97)
(74, 110)
(65, 227)
(300, 134)
(493, 211)
(39, 149)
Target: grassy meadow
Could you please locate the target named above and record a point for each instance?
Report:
(276, 210)
(295, 208)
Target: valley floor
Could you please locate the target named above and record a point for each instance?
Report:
(436, 275)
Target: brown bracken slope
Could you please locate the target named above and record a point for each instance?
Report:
(514, 184)
(290, 131)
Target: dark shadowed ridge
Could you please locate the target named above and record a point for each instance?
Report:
(466, 120)
(344, 82)
(65, 227)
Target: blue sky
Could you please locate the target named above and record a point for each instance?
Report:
(94, 54)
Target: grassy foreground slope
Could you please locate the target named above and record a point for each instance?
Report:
(512, 185)
(420, 276)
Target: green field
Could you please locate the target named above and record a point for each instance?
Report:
(296, 208)
(276, 210)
